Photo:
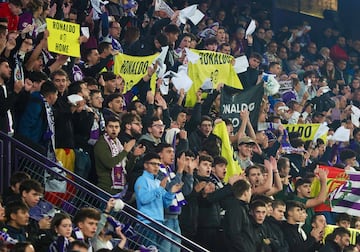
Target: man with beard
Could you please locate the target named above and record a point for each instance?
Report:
(131, 127)
(7, 98)
(110, 158)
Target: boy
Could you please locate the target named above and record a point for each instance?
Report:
(86, 221)
(151, 196)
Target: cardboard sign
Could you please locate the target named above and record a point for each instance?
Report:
(63, 37)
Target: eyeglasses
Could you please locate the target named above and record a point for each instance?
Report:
(137, 123)
(159, 125)
(153, 163)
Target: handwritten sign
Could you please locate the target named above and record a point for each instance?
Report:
(63, 37)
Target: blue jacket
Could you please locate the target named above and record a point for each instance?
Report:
(151, 198)
(33, 123)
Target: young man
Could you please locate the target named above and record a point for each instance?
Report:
(13, 192)
(343, 220)
(174, 175)
(263, 237)
(303, 189)
(245, 146)
(98, 126)
(17, 216)
(109, 83)
(250, 77)
(86, 220)
(113, 106)
(110, 158)
(37, 122)
(274, 221)
(38, 228)
(155, 130)
(237, 223)
(151, 195)
(218, 171)
(210, 202)
(7, 97)
(294, 237)
(260, 185)
(204, 132)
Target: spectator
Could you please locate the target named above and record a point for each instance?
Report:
(13, 191)
(150, 192)
(85, 220)
(175, 175)
(340, 238)
(237, 225)
(343, 220)
(302, 190)
(17, 218)
(291, 231)
(110, 158)
(274, 222)
(61, 224)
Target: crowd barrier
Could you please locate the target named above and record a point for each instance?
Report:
(16, 156)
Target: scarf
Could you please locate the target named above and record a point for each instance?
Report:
(179, 199)
(49, 134)
(97, 127)
(118, 172)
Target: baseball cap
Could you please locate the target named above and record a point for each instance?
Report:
(246, 140)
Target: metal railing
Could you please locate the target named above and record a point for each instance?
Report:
(16, 156)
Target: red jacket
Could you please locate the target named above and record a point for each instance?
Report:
(338, 53)
(13, 20)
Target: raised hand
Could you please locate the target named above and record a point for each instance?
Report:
(129, 145)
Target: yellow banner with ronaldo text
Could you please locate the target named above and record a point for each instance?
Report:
(308, 131)
(132, 68)
(63, 37)
(211, 66)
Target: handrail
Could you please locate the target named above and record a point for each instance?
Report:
(12, 152)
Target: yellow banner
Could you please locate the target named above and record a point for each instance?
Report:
(63, 37)
(227, 150)
(212, 66)
(132, 68)
(353, 233)
(307, 131)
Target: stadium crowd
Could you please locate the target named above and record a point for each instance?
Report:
(163, 157)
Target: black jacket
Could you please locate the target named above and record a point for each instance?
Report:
(295, 240)
(330, 246)
(238, 228)
(210, 207)
(276, 233)
(64, 132)
(5, 105)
